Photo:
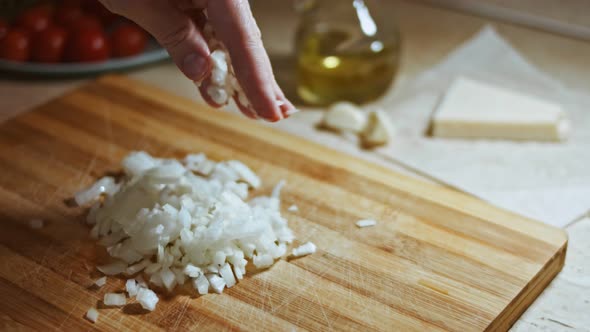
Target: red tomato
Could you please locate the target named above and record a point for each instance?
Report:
(3, 28)
(127, 40)
(49, 44)
(66, 16)
(86, 22)
(88, 46)
(15, 45)
(35, 19)
(96, 8)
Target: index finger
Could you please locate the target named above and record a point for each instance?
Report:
(235, 26)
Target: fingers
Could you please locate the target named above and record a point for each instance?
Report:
(287, 108)
(173, 29)
(246, 110)
(234, 25)
(174, 23)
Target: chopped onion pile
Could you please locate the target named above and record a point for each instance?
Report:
(185, 222)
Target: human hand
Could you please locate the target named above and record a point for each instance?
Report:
(177, 25)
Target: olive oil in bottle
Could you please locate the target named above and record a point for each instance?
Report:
(340, 59)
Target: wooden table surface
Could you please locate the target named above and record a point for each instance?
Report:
(429, 34)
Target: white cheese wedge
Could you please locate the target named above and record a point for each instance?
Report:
(345, 116)
(379, 129)
(472, 109)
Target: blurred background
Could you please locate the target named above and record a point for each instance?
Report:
(300, 34)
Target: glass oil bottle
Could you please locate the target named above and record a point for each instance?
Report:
(344, 51)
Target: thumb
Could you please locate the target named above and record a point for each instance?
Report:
(173, 29)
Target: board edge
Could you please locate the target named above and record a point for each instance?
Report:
(534, 288)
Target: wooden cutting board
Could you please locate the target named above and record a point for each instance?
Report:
(436, 260)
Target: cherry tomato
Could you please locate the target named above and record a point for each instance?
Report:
(3, 28)
(127, 40)
(66, 16)
(86, 22)
(15, 45)
(35, 19)
(88, 46)
(96, 8)
(49, 44)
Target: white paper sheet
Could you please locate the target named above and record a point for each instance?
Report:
(549, 182)
(544, 181)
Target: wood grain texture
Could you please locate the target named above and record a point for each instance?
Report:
(437, 259)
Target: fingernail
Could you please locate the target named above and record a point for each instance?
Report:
(271, 119)
(291, 111)
(195, 67)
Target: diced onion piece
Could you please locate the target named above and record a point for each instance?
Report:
(114, 299)
(219, 258)
(213, 269)
(366, 223)
(238, 272)
(100, 281)
(180, 276)
(105, 185)
(218, 95)
(138, 162)
(147, 299)
(92, 315)
(133, 269)
(192, 271)
(201, 284)
(276, 191)
(113, 268)
(156, 280)
(263, 261)
(216, 282)
(227, 275)
(245, 173)
(168, 279)
(305, 249)
(293, 208)
(131, 287)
